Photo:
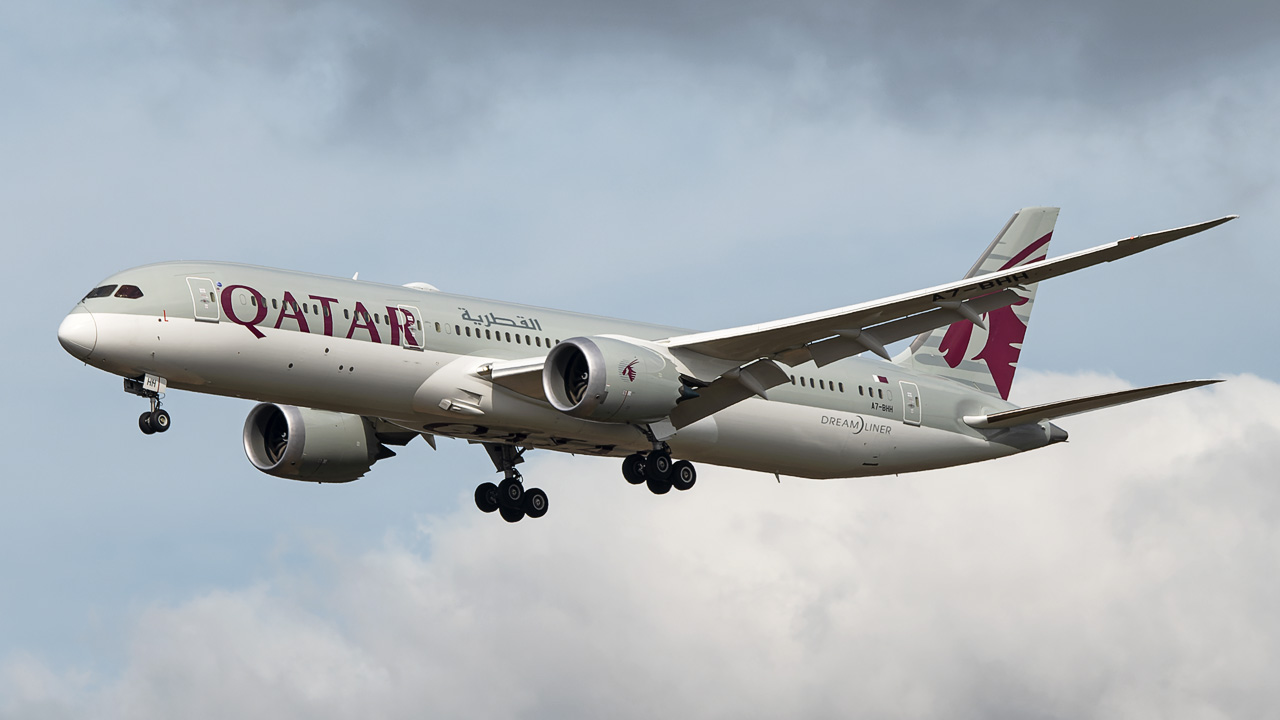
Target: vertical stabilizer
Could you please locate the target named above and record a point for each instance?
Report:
(987, 358)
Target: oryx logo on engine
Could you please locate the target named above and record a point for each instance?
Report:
(628, 369)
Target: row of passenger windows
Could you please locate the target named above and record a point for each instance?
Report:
(130, 292)
(834, 386)
(498, 335)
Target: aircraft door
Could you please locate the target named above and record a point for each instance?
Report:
(411, 327)
(911, 411)
(205, 299)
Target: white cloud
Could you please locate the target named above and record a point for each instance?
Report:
(1127, 573)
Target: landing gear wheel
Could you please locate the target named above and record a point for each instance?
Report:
(683, 476)
(535, 503)
(659, 487)
(487, 497)
(633, 468)
(510, 492)
(159, 420)
(657, 466)
(144, 423)
(511, 515)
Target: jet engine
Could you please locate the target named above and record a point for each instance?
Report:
(612, 379)
(313, 445)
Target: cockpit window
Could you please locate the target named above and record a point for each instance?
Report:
(129, 291)
(104, 291)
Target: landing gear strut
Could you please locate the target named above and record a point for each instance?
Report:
(152, 388)
(656, 469)
(509, 497)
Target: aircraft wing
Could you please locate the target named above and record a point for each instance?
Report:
(835, 334)
(734, 364)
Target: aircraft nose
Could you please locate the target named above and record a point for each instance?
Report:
(78, 333)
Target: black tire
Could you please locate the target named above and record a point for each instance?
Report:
(144, 423)
(510, 493)
(657, 466)
(535, 502)
(511, 515)
(160, 420)
(658, 487)
(487, 497)
(683, 476)
(633, 468)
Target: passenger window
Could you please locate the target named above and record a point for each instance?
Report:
(488, 335)
(346, 313)
(517, 338)
(377, 319)
(881, 394)
(274, 305)
(508, 337)
(793, 379)
(841, 387)
(538, 341)
(315, 309)
(304, 309)
(326, 311)
(859, 389)
(130, 292)
(437, 327)
(457, 330)
(104, 291)
(468, 331)
(821, 385)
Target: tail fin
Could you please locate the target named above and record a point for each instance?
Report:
(986, 358)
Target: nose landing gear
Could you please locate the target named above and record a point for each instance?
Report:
(152, 388)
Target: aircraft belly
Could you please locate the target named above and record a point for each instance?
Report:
(810, 442)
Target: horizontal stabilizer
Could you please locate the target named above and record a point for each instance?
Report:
(1062, 408)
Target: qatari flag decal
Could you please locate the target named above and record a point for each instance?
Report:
(880, 378)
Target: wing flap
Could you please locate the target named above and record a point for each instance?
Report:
(1063, 408)
(729, 389)
(523, 376)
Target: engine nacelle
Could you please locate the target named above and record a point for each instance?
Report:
(312, 445)
(611, 379)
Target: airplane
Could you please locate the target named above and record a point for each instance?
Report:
(344, 369)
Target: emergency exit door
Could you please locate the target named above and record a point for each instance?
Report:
(205, 298)
(910, 403)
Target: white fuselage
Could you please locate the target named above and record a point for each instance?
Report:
(418, 362)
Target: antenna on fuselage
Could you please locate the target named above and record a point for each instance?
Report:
(356, 276)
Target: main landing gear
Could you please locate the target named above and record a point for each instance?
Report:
(155, 420)
(658, 471)
(509, 497)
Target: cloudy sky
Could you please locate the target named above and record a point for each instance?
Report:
(704, 164)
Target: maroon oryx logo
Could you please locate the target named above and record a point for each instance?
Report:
(628, 369)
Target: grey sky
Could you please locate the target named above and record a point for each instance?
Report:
(700, 164)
